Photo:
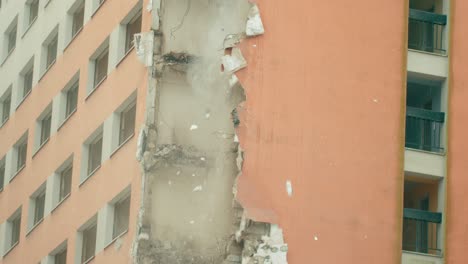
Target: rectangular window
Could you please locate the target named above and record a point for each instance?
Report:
(61, 258)
(21, 150)
(52, 51)
(6, 105)
(2, 174)
(39, 203)
(15, 230)
(100, 67)
(78, 19)
(33, 11)
(133, 28)
(95, 153)
(121, 216)
(12, 39)
(65, 183)
(45, 128)
(72, 100)
(127, 123)
(28, 82)
(89, 243)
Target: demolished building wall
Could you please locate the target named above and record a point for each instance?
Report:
(188, 148)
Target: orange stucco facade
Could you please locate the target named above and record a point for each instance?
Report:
(115, 174)
(457, 242)
(325, 90)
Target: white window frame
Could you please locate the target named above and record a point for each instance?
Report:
(7, 96)
(62, 99)
(38, 142)
(93, 221)
(106, 219)
(85, 173)
(14, 161)
(93, 84)
(27, 70)
(6, 39)
(113, 123)
(41, 191)
(45, 64)
(8, 244)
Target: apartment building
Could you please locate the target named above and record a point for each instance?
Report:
(215, 131)
(71, 98)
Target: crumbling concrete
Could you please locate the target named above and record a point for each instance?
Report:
(188, 149)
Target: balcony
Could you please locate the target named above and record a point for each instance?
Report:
(426, 31)
(424, 129)
(420, 231)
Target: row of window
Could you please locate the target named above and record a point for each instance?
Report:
(31, 13)
(92, 236)
(117, 129)
(99, 61)
(98, 68)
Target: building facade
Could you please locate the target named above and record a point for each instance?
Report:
(71, 97)
(214, 131)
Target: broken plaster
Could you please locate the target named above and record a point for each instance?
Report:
(253, 242)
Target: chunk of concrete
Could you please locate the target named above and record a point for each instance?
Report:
(254, 25)
(234, 62)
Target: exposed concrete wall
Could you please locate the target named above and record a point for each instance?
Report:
(189, 150)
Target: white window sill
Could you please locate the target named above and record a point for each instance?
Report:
(89, 260)
(8, 56)
(97, 8)
(47, 69)
(61, 202)
(17, 173)
(23, 99)
(10, 249)
(121, 145)
(125, 56)
(115, 239)
(95, 88)
(29, 27)
(34, 226)
(73, 38)
(89, 176)
(66, 119)
(4, 122)
(40, 147)
(47, 3)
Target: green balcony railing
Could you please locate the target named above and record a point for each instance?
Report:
(424, 129)
(426, 31)
(421, 231)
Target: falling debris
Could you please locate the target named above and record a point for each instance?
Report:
(254, 25)
(193, 127)
(198, 188)
(289, 189)
(144, 47)
(207, 116)
(234, 62)
(315, 238)
(375, 100)
(192, 222)
(202, 159)
(178, 172)
(193, 174)
(169, 182)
